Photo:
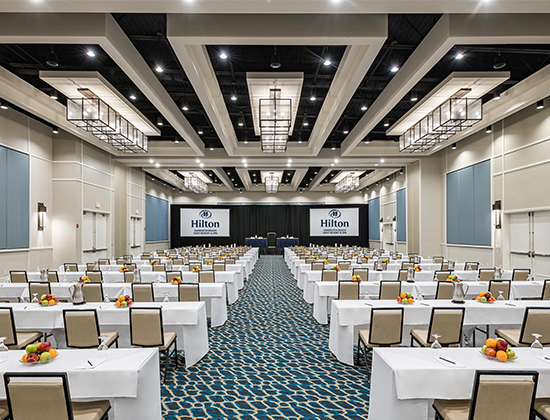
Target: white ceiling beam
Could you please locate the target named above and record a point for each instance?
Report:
(222, 176)
(245, 178)
(450, 30)
(103, 30)
(297, 178)
(319, 178)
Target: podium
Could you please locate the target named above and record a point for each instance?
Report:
(271, 240)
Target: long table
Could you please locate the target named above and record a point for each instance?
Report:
(187, 319)
(405, 381)
(256, 242)
(286, 242)
(349, 316)
(128, 378)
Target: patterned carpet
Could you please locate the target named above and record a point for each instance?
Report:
(269, 361)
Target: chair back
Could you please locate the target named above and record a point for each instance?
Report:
(189, 292)
(219, 266)
(445, 266)
(142, 292)
(405, 265)
(329, 275)
(398, 256)
(146, 328)
(70, 267)
(546, 290)
(438, 260)
(103, 261)
(345, 265)
(171, 274)
(332, 260)
(53, 277)
(93, 292)
(402, 276)
(496, 286)
(361, 272)
(40, 289)
(81, 328)
(362, 260)
(161, 253)
(499, 394)
(7, 326)
(441, 275)
(386, 326)
(128, 277)
(447, 322)
(120, 261)
(471, 266)
(348, 290)
(521, 274)
(159, 267)
(95, 276)
(206, 277)
(49, 390)
(230, 261)
(18, 277)
(535, 321)
(317, 266)
(131, 267)
(193, 264)
(177, 261)
(444, 290)
(486, 274)
(90, 266)
(389, 290)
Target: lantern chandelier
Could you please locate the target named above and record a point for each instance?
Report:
(454, 115)
(347, 184)
(95, 116)
(271, 183)
(275, 122)
(195, 184)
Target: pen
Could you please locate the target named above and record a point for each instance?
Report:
(449, 361)
(90, 363)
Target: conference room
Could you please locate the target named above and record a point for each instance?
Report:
(248, 209)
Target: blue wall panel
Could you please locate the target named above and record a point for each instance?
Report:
(482, 203)
(452, 208)
(466, 205)
(374, 219)
(401, 198)
(156, 219)
(3, 198)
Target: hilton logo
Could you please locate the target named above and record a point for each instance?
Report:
(331, 223)
(335, 213)
(204, 214)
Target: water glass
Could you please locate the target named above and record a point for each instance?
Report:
(102, 348)
(35, 298)
(106, 299)
(500, 296)
(166, 298)
(537, 348)
(3, 349)
(436, 347)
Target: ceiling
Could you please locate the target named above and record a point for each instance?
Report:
(345, 89)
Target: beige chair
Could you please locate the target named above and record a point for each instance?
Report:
(332, 260)
(177, 261)
(194, 264)
(120, 261)
(438, 260)
(93, 292)
(542, 408)
(82, 329)
(206, 277)
(405, 265)
(159, 267)
(143, 292)
(103, 261)
(317, 266)
(521, 274)
(145, 255)
(90, 266)
(309, 260)
(389, 290)
(471, 266)
(447, 322)
(70, 267)
(189, 292)
(219, 266)
(495, 395)
(444, 266)
(171, 274)
(386, 330)
(486, 274)
(161, 253)
(49, 390)
(128, 277)
(402, 276)
(348, 290)
(15, 340)
(535, 321)
(444, 290)
(362, 260)
(230, 261)
(40, 289)
(18, 277)
(441, 275)
(329, 275)
(95, 276)
(53, 277)
(345, 265)
(130, 267)
(546, 290)
(147, 330)
(496, 286)
(361, 272)
(398, 257)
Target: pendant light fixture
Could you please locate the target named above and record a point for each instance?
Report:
(275, 60)
(51, 59)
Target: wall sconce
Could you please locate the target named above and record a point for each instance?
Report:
(381, 224)
(41, 216)
(497, 215)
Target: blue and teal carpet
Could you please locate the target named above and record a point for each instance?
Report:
(269, 361)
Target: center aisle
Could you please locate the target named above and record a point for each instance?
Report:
(269, 361)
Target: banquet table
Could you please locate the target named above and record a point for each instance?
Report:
(348, 316)
(256, 242)
(286, 242)
(187, 319)
(213, 294)
(128, 378)
(326, 291)
(405, 381)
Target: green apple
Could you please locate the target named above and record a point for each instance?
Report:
(483, 299)
(31, 348)
(483, 349)
(43, 297)
(123, 304)
(409, 295)
(510, 353)
(45, 357)
(45, 302)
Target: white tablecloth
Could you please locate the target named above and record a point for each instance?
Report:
(213, 294)
(187, 319)
(348, 316)
(405, 381)
(129, 379)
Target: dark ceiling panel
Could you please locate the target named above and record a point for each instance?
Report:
(233, 176)
(309, 176)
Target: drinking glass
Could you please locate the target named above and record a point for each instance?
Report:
(419, 295)
(536, 347)
(500, 296)
(102, 346)
(436, 347)
(166, 298)
(35, 298)
(157, 279)
(106, 299)
(3, 350)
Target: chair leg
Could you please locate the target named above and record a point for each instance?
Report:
(367, 363)
(176, 352)
(166, 358)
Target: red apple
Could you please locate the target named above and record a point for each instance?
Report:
(45, 346)
(487, 295)
(502, 345)
(491, 352)
(127, 297)
(48, 297)
(33, 357)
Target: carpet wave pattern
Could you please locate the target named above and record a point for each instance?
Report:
(269, 361)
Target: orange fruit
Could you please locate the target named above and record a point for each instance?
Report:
(491, 342)
(121, 298)
(403, 295)
(24, 358)
(53, 352)
(478, 298)
(481, 294)
(502, 356)
(53, 296)
(52, 302)
(117, 304)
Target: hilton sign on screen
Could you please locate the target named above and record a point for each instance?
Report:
(334, 222)
(204, 222)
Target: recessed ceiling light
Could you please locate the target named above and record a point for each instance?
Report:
(332, 164)
(376, 164)
(288, 164)
(333, 148)
(289, 161)
(223, 56)
(185, 108)
(246, 142)
(90, 53)
(394, 69)
(233, 97)
(382, 160)
(151, 161)
(414, 97)
(459, 56)
(199, 131)
(133, 97)
(53, 94)
(346, 131)
(364, 108)
(540, 104)
(367, 141)
(202, 165)
(157, 165)
(211, 148)
(159, 69)
(55, 130)
(336, 161)
(496, 96)
(160, 122)
(177, 141)
(300, 141)
(386, 123)
(198, 160)
(327, 62)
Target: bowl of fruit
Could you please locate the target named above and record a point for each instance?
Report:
(38, 353)
(485, 297)
(123, 301)
(499, 349)
(405, 298)
(48, 300)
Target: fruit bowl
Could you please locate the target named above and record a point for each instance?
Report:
(405, 299)
(40, 353)
(485, 297)
(498, 349)
(48, 300)
(123, 301)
